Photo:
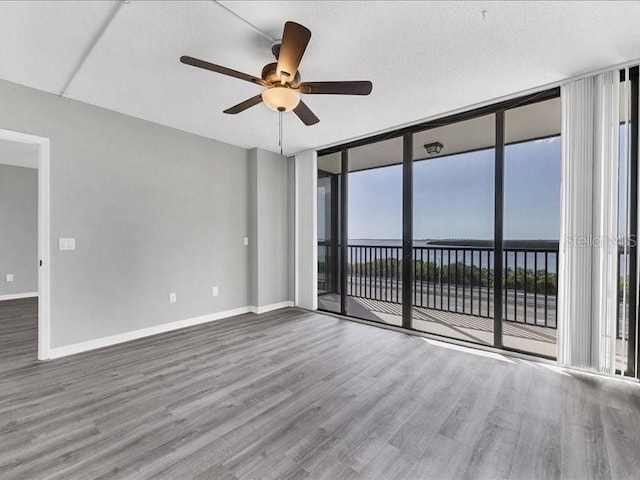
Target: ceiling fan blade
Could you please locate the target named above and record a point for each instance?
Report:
(242, 106)
(219, 69)
(294, 42)
(337, 88)
(305, 114)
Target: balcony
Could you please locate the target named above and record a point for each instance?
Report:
(453, 290)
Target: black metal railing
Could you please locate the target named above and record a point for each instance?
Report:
(454, 279)
(460, 279)
(375, 272)
(327, 271)
(624, 259)
(530, 286)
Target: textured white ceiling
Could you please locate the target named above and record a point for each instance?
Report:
(424, 58)
(43, 41)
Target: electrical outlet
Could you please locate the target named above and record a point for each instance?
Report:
(214, 291)
(173, 298)
(246, 241)
(9, 277)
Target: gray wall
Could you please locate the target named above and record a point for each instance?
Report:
(271, 231)
(18, 229)
(153, 210)
(252, 198)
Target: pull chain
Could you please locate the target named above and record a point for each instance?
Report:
(280, 130)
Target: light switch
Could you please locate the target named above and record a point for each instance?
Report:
(214, 291)
(67, 243)
(173, 298)
(9, 277)
(246, 240)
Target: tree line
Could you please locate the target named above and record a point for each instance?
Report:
(459, 273)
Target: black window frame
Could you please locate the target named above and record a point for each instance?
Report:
(498, 109)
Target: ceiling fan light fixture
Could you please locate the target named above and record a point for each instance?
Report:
(281, 99)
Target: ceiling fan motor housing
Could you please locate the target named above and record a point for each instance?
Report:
(270, 76)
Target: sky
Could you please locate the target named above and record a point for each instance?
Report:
(453, 196)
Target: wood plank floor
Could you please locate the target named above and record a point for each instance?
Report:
(297, 395)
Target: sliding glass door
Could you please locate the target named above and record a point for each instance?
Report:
(329, 168)
(453, 228)
(532, 157)
(374, 248)
(627, 321)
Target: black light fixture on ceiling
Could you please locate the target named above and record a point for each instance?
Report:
(433, 148)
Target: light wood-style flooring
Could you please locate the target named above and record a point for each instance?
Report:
(299, 395)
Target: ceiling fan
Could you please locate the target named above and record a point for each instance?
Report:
(281, 80)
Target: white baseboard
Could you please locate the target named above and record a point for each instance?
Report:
(16, 296)
(58, 352)
(273, 306)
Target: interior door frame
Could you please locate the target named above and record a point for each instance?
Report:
(44, 231)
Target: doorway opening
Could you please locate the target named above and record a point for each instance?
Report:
(25, 264)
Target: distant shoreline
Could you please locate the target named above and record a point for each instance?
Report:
(462, 242)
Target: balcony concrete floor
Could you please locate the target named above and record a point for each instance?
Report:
(533, 339)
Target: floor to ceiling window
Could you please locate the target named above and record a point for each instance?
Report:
(453, 229)
(627, 324)
(329, 267)
(374, 229)
(532, 157)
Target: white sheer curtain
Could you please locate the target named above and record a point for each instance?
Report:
(587, 289)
